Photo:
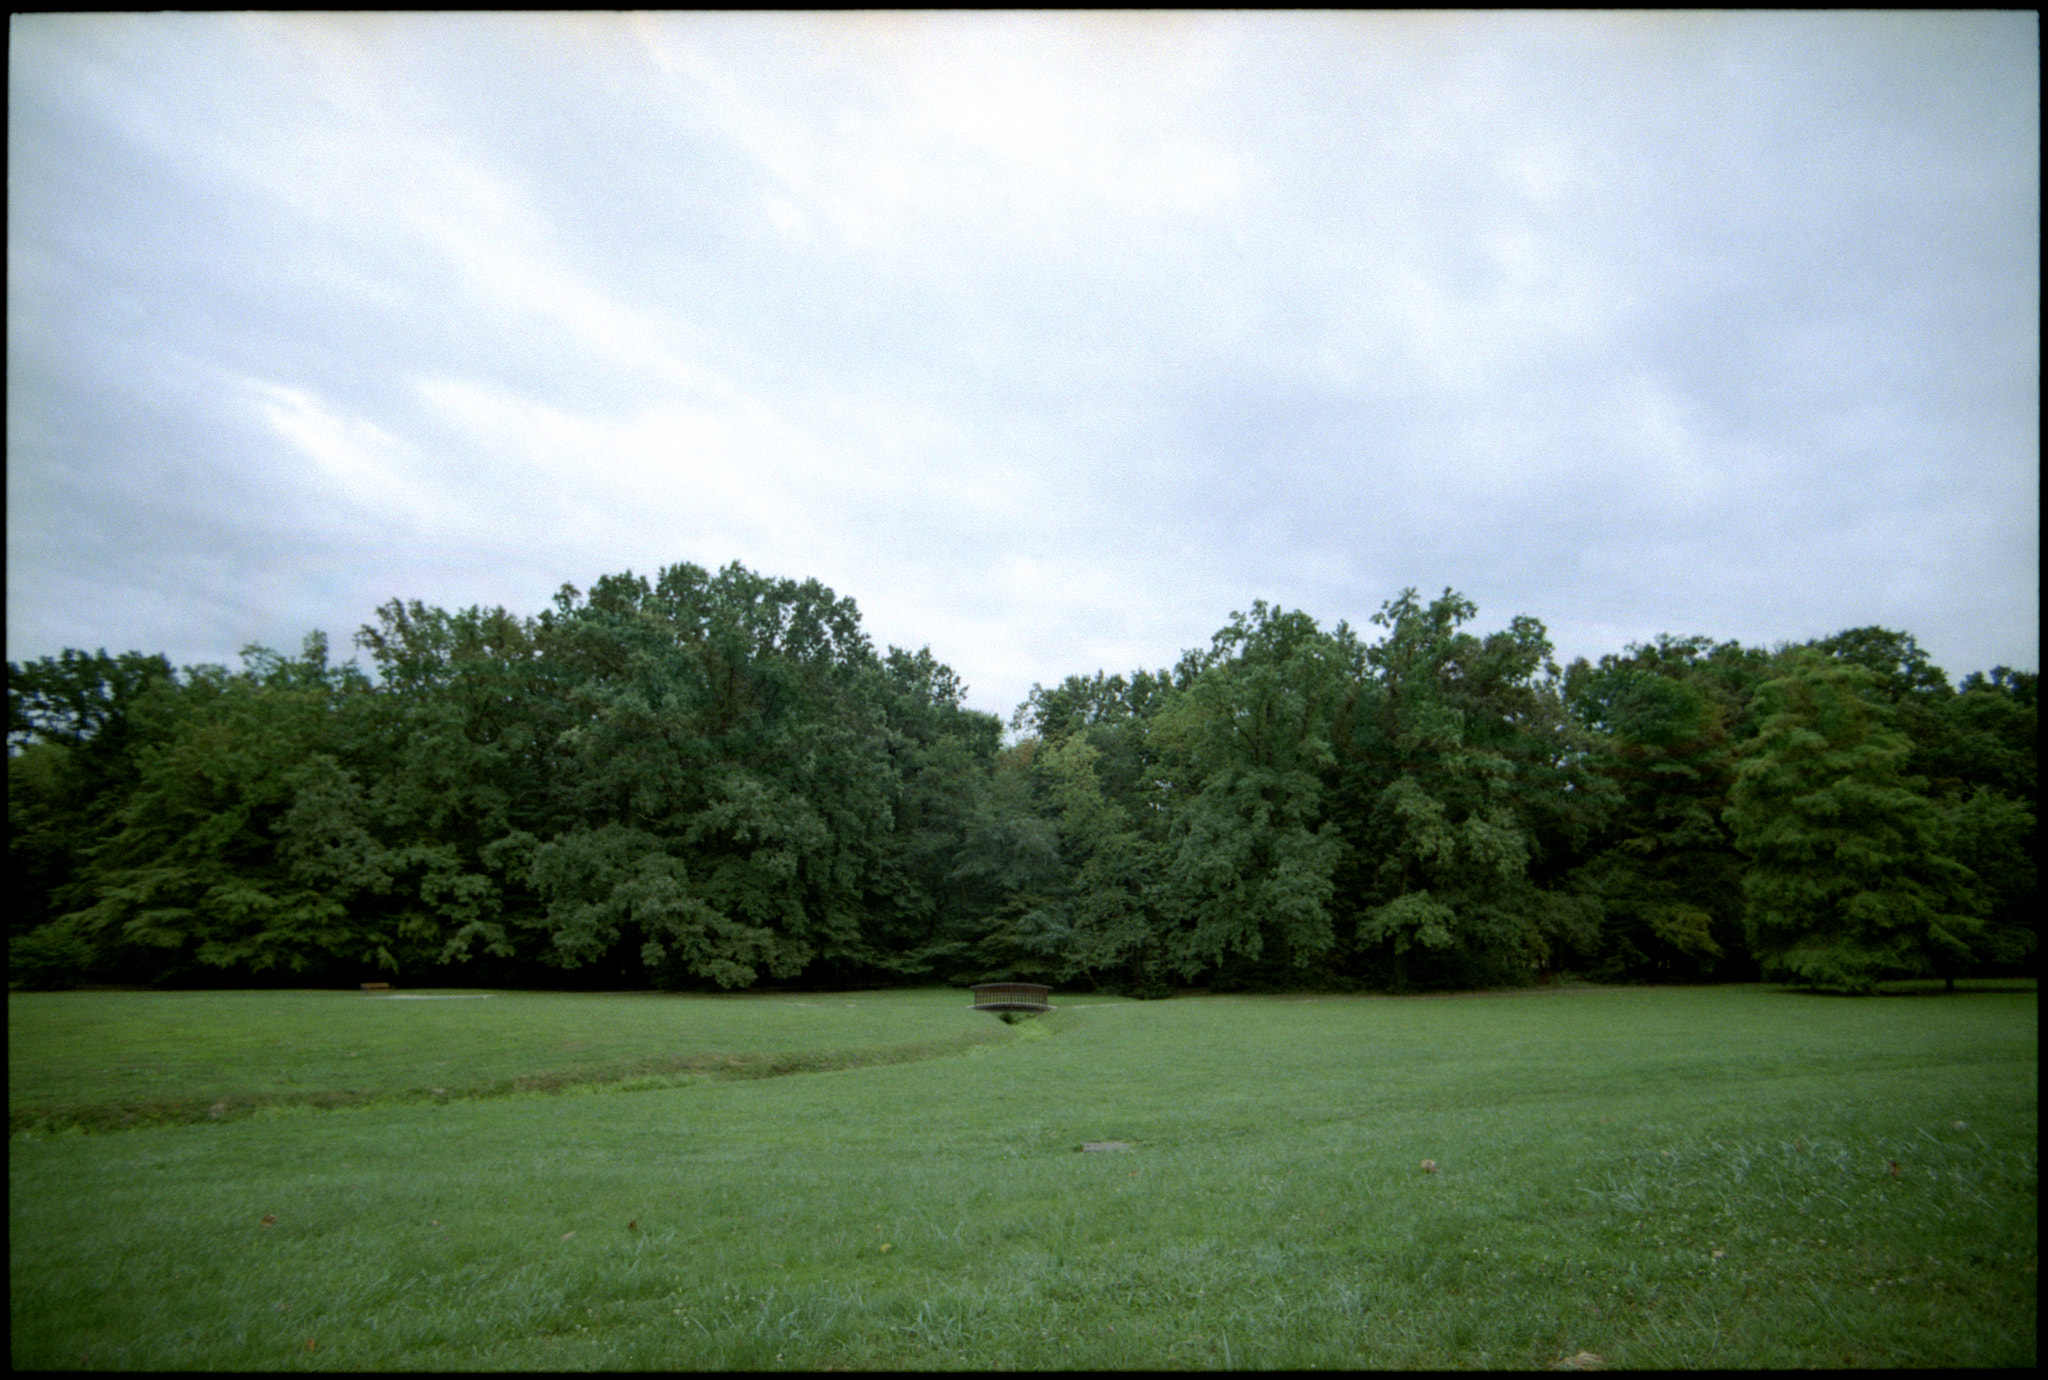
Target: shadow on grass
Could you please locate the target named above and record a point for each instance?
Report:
(1920, 987)
(1965, 987)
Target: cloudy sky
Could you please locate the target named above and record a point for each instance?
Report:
(1049, 340)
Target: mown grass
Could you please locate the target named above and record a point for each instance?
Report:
(1680, 1177)
(105, 1060)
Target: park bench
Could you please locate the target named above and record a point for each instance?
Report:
(1012, 996)
(376, 987)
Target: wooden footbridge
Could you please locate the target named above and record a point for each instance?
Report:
(1006, 998)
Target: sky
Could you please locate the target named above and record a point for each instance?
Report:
(1050, 340)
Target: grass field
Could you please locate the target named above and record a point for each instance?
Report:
(104, 1061)
(1728, 1177)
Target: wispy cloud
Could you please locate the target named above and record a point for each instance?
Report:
(1049, 339)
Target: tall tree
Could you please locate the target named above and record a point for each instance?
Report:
(1007, 872)
(72, 743)
(729, 774)
(1666, 871)
(201, 874)
(1851, 875)
(463, 726)
(940, 755)
(1459, 774)
(1984, 759)
(1091, 914)
(1249, 875)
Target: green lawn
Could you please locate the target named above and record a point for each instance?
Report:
(1659, 1177)
(111, 1059)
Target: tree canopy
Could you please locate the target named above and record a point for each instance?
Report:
(714, 779)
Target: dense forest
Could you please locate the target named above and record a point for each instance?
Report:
(714, 780)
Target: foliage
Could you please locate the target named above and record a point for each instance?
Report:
(730, 776)
(48, 958)
(1089, 914)
(217, 861)
(73, 742)
(1665, 871)
(1851, 874)
(1997, 838)
(713, 779)
(1249, 872)
(1463, 778)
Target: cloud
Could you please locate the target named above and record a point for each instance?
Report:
(1049, 339)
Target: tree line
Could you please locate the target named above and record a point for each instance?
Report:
(715, 780)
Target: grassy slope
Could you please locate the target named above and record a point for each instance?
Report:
(109, 1059)
(1594, 1152)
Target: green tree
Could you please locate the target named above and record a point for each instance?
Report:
(79, 700)
(1984, 760)
(1998, 839)
(1851, 877)
(1248, 873)
(1914, 691)
(922, 916)
(462, 770)
(1666, 871)
(1080, 908)
(1990, 737)
(1006, 876)
(201, 872)
(71, 759)
(1459, 775)
(728, 770)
